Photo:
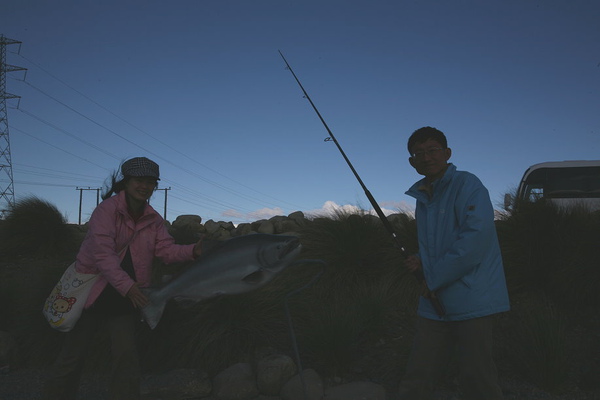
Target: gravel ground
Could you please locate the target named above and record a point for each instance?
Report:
(26, 385)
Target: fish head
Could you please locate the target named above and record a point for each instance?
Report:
(274, 254)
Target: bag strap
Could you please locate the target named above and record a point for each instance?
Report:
(128, 243)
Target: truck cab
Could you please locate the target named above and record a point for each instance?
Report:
(564, 183)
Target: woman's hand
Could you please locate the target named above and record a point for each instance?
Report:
(137, 297)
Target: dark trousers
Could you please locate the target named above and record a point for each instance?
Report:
(63, 380)
(435, 342)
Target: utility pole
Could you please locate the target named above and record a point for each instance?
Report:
(7, 189)
(98, 199)
(165, 210)
(81, 198)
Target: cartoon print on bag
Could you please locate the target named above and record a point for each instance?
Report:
(50, 300)
(60, 306)
(76, 283)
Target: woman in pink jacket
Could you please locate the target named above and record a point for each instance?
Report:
(124, 235)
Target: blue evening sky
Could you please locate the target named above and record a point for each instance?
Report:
(199, 87)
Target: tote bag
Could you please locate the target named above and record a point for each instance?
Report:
(64, 305)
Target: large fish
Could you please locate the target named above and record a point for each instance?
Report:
(237, 265)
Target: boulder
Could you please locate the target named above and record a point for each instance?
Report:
(294, 390)
(356, 391)
(272, 372)
(235, 383)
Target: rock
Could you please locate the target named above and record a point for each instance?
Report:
(356, 391)
(243, 229)
(279, 222)
(293, 389)
(212, 227)
(187, 229)
(235, 383)
(297, 217)
(276, 225)
(272, 372)
(222, 234)
(183, 221)
(219, 230)
(266, 227)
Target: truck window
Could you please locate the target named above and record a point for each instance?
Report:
(561, 183)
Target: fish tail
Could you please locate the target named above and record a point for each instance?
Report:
(154, 310)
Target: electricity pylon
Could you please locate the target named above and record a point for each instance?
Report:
(7, 190)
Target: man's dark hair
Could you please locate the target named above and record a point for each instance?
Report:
(425, 133)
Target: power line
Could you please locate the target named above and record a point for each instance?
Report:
(193, 193)
(199, 199)
(43, 184)
(61, 149)
(194, 160)
(105, 152)
(68, 175)
(157, 156)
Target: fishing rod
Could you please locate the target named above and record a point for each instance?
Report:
(439, 308)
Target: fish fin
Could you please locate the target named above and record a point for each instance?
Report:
(255, 277)
(154, 310)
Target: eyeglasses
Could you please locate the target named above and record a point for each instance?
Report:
(430, 152)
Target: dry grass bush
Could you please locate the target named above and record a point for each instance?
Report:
(36, 245)
(24, 286)
(554, 250)
(217, 333)
(35, 227)
(357, 301)
(540, 349)
(551, 257)
(356, 320)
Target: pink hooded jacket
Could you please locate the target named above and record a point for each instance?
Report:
(110, 230)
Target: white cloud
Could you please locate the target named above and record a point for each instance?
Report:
(331, 207)
(396, 207)
(232, 214)
(263, 213)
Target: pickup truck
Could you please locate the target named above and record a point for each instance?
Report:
(565, 183)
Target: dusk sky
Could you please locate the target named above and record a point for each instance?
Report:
(200, 88)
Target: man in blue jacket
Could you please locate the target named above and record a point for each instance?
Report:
(460, 258)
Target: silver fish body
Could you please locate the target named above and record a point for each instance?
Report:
(238, 265)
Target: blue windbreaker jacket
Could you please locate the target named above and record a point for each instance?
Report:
(458, 247)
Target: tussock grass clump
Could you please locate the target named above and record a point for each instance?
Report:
(355, 302)
(358, 298)
(217, 333)
(35, 231)
(555, 250)
(355, 321)
(356, 248)
(337, 329)
(35, 227)
(540, 350)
